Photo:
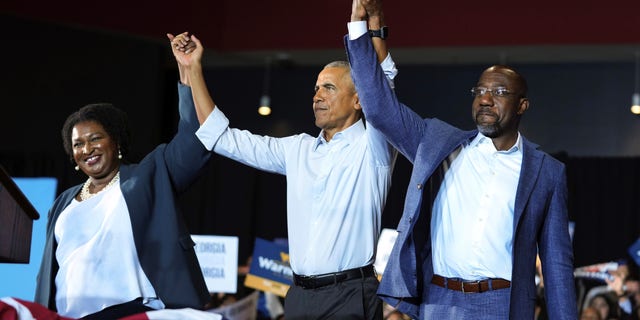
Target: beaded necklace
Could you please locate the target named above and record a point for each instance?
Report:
(85, 194)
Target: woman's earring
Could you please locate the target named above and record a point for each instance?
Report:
(119, 154)
(77, 168)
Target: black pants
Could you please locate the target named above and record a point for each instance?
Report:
(352, 299)
(119, 311)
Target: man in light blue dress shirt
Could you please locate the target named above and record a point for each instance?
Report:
(337, 184)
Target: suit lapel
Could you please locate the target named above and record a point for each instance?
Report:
(529, 173)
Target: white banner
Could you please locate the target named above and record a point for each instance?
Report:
(218, 257)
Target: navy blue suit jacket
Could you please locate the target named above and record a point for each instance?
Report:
(540, 213)
(164, 245)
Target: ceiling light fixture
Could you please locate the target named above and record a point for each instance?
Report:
(265, 101)
(635, 99)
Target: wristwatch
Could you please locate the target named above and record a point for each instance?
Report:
(381, 33)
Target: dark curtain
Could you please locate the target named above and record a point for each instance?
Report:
(604, 203)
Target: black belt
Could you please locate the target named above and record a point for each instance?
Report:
(321, 280)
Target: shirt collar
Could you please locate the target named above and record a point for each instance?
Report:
(348, 134)
(480, 138)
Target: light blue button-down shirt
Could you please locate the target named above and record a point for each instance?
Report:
(472, 217)
(336, 190)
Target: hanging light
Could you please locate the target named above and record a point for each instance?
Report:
(635, 103)
(635, 99)
(265, 101)
(265, 105)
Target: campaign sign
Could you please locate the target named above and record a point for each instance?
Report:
(270, 270)
(218, 257)
(634, 251)
(599, 271)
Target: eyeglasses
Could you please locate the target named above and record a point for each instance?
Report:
(495, 92)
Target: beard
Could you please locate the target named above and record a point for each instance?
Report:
(490, 131)
(490, 128)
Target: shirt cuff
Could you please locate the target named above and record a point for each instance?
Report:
(389, 67)
(357, 29)
(212, 128)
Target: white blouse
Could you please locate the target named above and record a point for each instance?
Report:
(99, 265)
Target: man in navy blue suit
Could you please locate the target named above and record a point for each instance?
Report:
(480, 204)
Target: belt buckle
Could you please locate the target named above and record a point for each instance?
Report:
(311, 283)
(470, 282)
(307, 282)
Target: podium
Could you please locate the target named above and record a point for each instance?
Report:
(16, 221)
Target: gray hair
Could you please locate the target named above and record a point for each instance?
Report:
(338, 64)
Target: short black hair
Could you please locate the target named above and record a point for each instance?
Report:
(113, 120)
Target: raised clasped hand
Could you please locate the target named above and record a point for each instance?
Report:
(182, 42)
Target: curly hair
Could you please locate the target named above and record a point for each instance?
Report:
(113, 120)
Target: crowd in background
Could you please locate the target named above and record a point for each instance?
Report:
(611, 294)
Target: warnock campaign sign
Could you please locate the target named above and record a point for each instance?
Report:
(270, 270)
(218, 258)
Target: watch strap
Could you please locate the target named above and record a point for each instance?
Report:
(381, 33)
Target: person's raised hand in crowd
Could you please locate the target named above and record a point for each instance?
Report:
(619, 277)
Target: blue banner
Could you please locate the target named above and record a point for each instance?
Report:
(270, 270)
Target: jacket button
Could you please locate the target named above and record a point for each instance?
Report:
(419, 186)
